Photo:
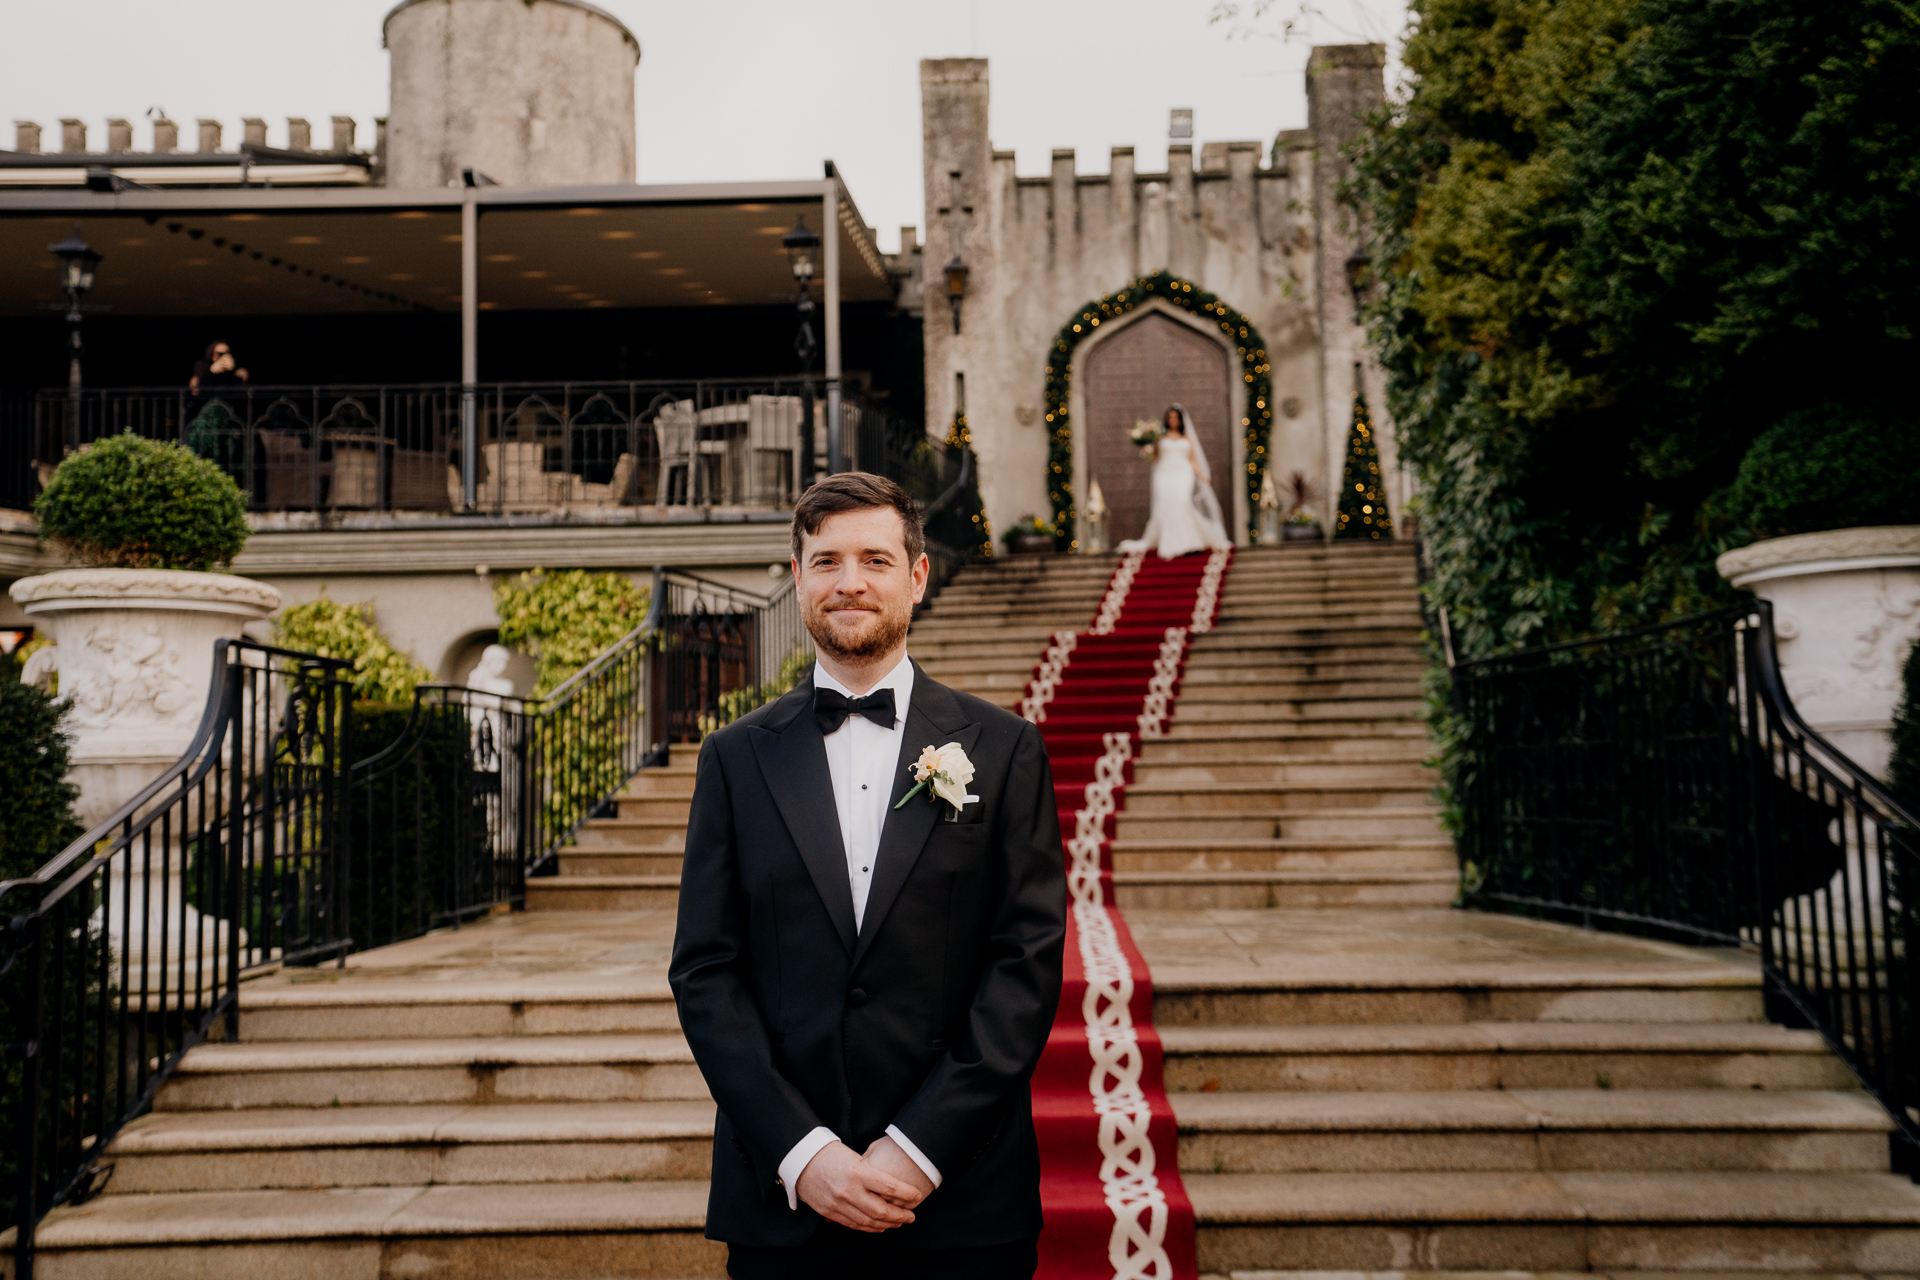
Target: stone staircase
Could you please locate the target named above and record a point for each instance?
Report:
(1363, 1079)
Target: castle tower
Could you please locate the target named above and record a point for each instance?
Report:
(530, 92)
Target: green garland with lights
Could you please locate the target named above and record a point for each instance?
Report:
(960, 437)
(1255, 371)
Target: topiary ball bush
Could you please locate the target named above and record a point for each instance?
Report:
(1836, 466)
(132, 503)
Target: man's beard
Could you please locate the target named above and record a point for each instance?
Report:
(878, 640)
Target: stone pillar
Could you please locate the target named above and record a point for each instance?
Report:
(73, 135)
(1183, 256)
(530, 92)
(1344, 84)
(119, 136)
(166, 136)
(26, 137)
(953, 118)
(299, 134)
(209, 136)
(1124, 202)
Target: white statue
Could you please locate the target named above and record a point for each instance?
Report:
(490, 674)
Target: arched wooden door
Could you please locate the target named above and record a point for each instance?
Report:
(1151, 363)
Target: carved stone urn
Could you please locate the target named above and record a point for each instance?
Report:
(134, 649)
(1846, 610)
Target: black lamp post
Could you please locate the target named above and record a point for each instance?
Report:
(800, 244)
(77, 264)
(956, 287)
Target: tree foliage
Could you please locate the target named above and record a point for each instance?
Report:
(1620, 240)
(381, 673)
(566, 619)
(143, 504)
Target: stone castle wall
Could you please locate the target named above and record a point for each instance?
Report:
(1265, 237)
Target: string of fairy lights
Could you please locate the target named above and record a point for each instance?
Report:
(281, 262)
(1256, 371)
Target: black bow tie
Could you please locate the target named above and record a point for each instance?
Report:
(831, 708)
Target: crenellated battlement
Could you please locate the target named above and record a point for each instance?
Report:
(29, 138)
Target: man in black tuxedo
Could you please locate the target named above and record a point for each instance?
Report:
(867, 984)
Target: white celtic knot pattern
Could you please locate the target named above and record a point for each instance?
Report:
(1136, 1247)
(1046, 679)
(1116, 597)
(1205, 600)
(1090, 822)
(1166, 669)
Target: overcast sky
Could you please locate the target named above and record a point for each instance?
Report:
(754, 89)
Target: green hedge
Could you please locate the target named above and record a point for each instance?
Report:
(1838, 466)
(143, 504)
(36, 823)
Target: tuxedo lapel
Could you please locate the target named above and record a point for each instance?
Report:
(793, 761)
(933, 719)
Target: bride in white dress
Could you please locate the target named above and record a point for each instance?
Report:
(1185, 516)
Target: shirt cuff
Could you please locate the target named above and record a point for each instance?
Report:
(797, 1159)
(915, 1154)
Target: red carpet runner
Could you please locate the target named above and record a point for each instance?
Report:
(1110, 1178)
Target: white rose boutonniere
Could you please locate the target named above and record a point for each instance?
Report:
(943, 773)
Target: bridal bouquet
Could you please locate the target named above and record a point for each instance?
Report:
(1146, 435)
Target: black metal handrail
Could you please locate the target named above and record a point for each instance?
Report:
(715, 652)
(127, 949)
(1660, 782)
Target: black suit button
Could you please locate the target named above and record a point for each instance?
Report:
(856, 997)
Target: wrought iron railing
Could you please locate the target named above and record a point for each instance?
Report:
(127, 949)
(579, 446)
(715, 652)
(1660, 782)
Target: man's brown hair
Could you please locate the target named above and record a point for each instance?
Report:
(857, 491)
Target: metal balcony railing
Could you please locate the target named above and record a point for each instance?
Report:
(539, 447)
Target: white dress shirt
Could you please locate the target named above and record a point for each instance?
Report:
(862, 759)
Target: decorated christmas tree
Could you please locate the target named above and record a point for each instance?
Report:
(1363, 504)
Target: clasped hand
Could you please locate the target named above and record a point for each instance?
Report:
(871, 1193)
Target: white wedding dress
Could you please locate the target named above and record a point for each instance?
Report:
(1185, 515)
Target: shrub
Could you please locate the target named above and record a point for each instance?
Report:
(36, 821)
(346, 631)
(1903, 771)
(143, 504)
(566, 619)
(1837, 466)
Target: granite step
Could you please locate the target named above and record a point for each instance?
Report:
(1347, 990)
(471, 1070)
(1228, 830)
(365, 1146)
(556, 1231)
(615, 892)
(395, 1009)
(1257, 889)
(1738, 1057)
(1638, 1221)
(1531, 1129)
